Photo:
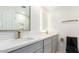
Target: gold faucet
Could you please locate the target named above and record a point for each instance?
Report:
(18, 34)
(46, 32)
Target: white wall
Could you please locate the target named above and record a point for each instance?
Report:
(60, 14)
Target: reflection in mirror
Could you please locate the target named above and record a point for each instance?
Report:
(14, 17)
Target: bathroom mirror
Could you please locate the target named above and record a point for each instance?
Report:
(14, 18)
(44, 19)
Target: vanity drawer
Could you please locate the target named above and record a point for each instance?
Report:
(29, 49)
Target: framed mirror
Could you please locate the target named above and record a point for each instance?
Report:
(15, 18)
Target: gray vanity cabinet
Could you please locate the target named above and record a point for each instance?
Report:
(47, 45)
(54, 43)
(39, 50)
(33, 48)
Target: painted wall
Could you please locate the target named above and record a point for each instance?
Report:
(60, 14)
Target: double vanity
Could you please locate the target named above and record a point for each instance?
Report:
(44, 43)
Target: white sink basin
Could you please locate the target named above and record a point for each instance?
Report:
(28, 38)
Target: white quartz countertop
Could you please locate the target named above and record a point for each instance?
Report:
(13, 44)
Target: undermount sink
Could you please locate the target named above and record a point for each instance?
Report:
(30, 38)
(27, 38)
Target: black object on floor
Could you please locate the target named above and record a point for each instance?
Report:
(71, 45)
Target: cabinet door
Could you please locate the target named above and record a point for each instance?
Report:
(54, 42)
(39, 50)
(47, 45)
(29, 49)
(47, 48)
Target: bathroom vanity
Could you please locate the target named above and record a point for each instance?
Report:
(42, 44)
(18, 19)
(47, 45)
